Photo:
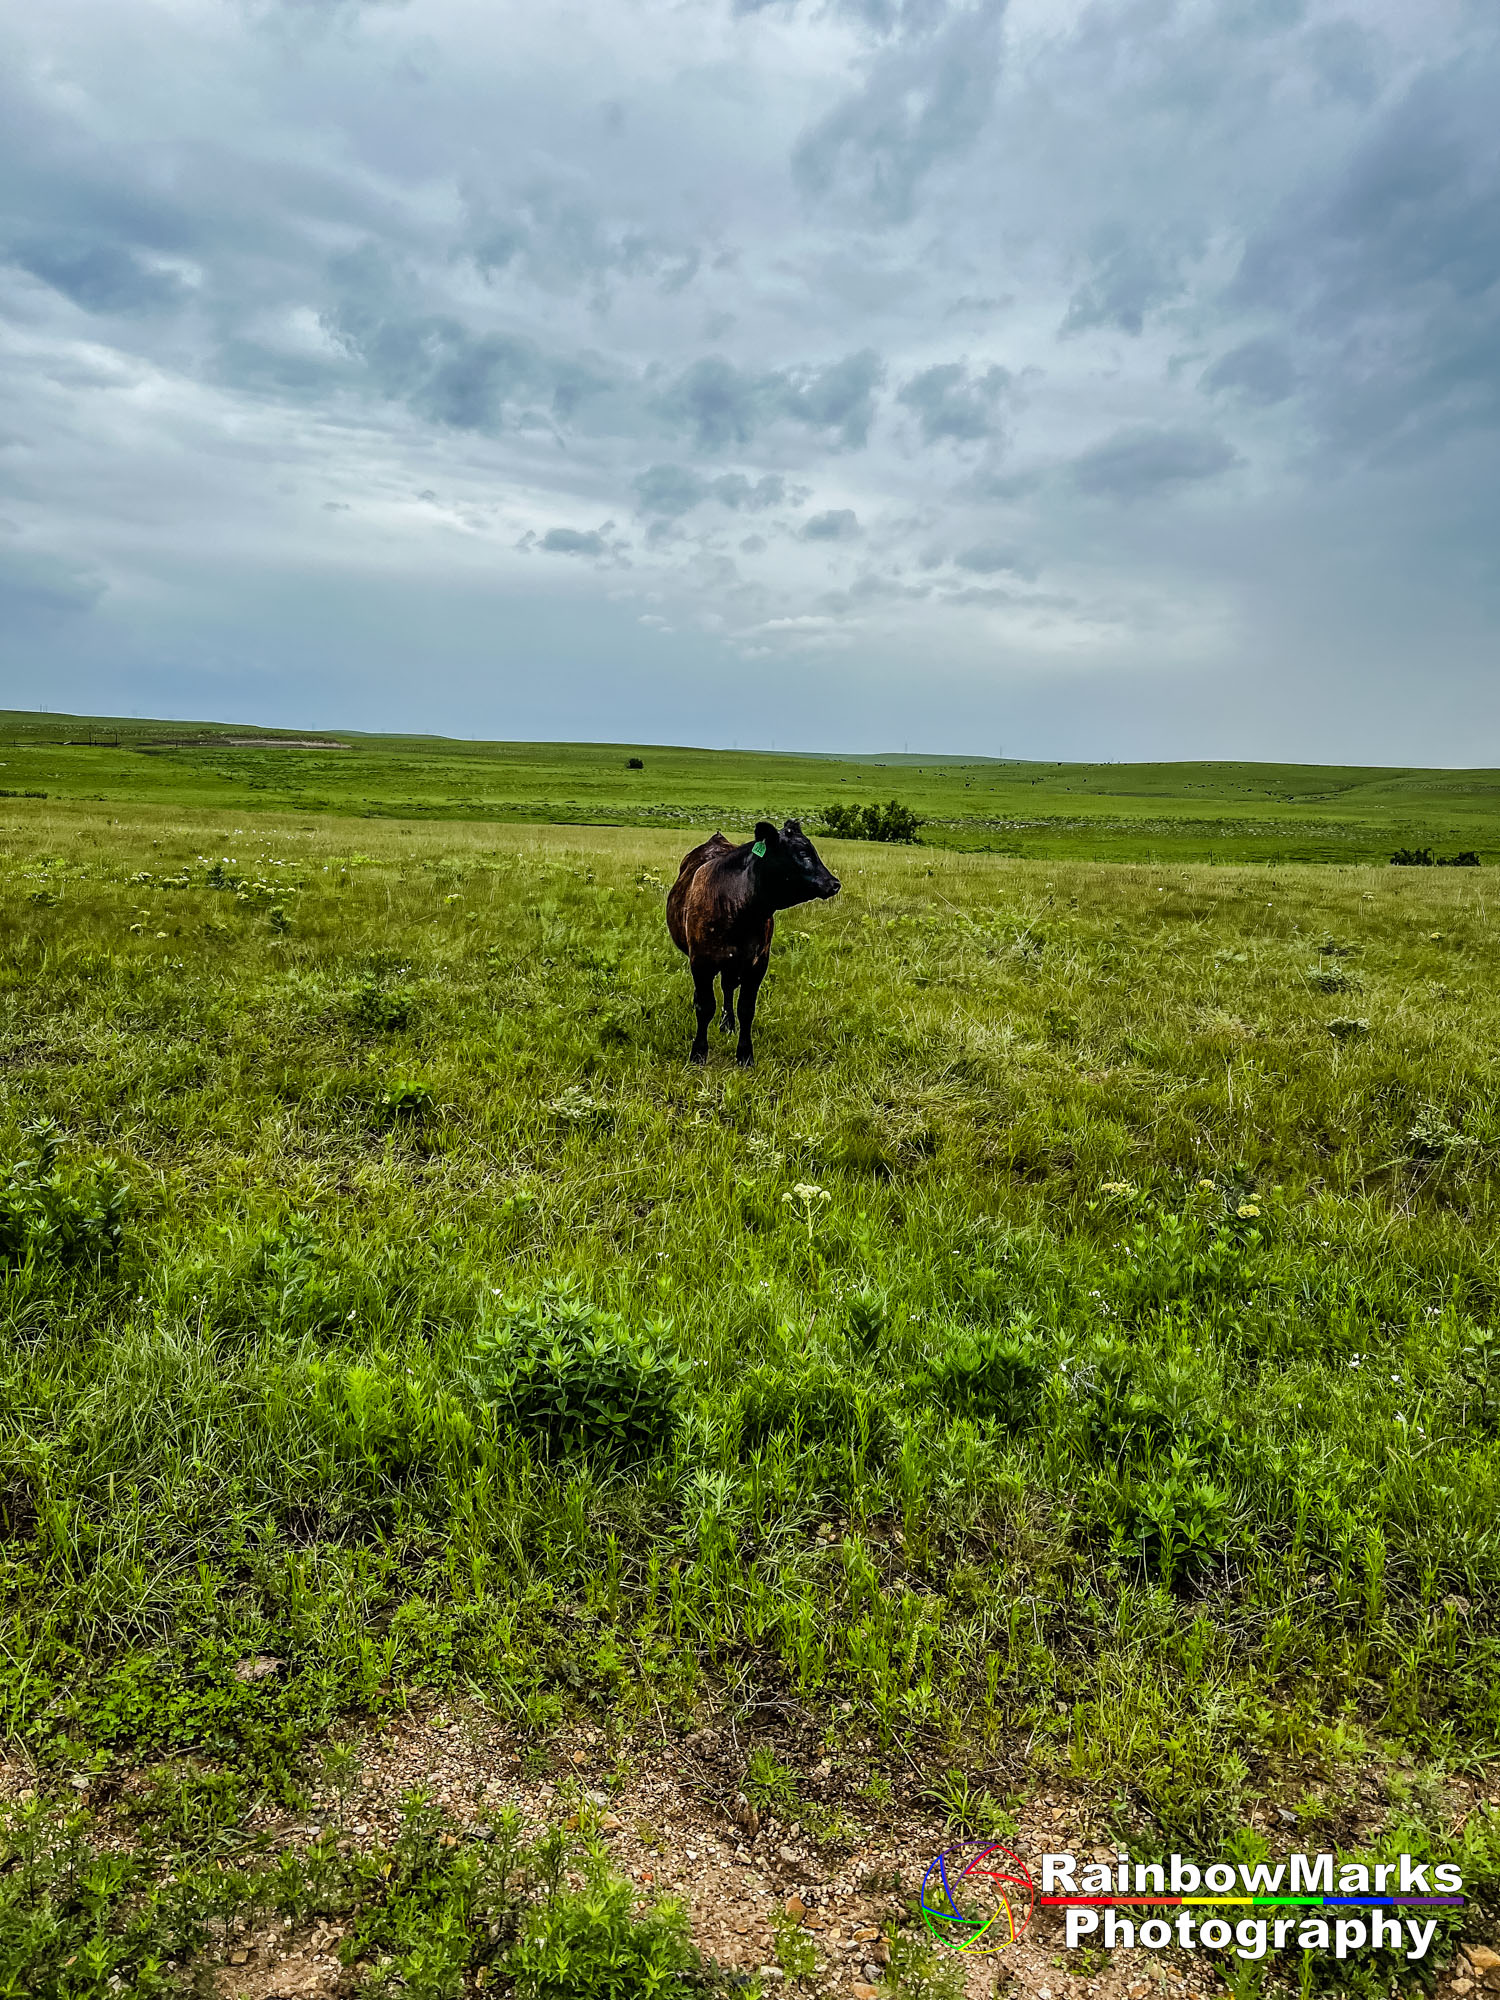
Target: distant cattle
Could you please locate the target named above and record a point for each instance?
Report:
(721, 911)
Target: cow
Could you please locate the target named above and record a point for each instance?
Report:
(721, 911)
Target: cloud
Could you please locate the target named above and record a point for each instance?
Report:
(1391, 272)
(837, 525)
(733, 489)
(669, 490)
(572, 542)
(717, 403)
(445, 370)
(952, 404)
(989, 558)
(1348, 58)
(1129, 279)
(721, 405)
(1145, 463)
(561, 238)
(922, 103)
(839, 398)
(101, 277)
(1259, 371)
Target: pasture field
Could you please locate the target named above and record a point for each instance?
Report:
(1066, 1365)
(1273, 813)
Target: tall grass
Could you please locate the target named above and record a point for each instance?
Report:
(1137, 1348)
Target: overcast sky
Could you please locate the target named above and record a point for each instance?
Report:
(1055, 379)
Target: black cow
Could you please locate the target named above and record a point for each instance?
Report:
(721, 911)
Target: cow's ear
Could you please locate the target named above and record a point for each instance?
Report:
(792, 826)
(765, 831)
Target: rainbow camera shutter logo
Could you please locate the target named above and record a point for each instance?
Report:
(977, 1896)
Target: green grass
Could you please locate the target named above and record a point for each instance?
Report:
(1136, 1354)
(1158, 812)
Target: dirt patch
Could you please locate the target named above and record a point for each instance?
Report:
(675, 1821)
(281, 1964)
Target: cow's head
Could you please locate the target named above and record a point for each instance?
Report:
(792, 868)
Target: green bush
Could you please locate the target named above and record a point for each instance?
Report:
(587, 1945)
(894, 822)
(1171, 1517)
(810, 1404)
(987, 1374)
(573, 1379)
(1140, 1411)
(53, 1214)
(382, 1008)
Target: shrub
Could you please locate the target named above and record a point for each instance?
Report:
(810, 1404)
(1432, 1138)
(987, 1374)
(1331, 979)
(1172, 1517)
(51, 1214)
(1142, 1412)
(1348, 1028)
(381, 1009)
(1422, 857)
(287, 1278)
(573, 1379)
(634, 764)
(589, 1945)
(867, 1318)
(873, 822)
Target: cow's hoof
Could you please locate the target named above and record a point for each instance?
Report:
(745, 1062)
(697, 1055)
(726, 1027)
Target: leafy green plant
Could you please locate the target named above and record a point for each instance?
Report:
(588, 1944)
(922, 1971)
(1170, 1516)
(810, 1404)
(769, 1784)
(867, 1318)
(571, 1378)
(1138, 1409)
(968, 1808)
(53, 1214)
(985, 1374)
(792, 1948)
(382, 1007)
(406, 1101)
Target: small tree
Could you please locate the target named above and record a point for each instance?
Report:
(894, 822)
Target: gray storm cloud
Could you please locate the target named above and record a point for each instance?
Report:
(941, 361)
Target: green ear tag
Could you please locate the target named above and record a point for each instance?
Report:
(759, 850)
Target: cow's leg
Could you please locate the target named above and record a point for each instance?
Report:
(729, 981)
(703, 1007)
(745, 1053)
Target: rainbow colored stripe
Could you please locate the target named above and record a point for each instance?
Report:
(1248, 1902)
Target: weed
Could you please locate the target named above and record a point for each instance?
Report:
(570, 1378)
(792, 1948)
(988, 1373)
(53, 1214)
(382, 1007)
